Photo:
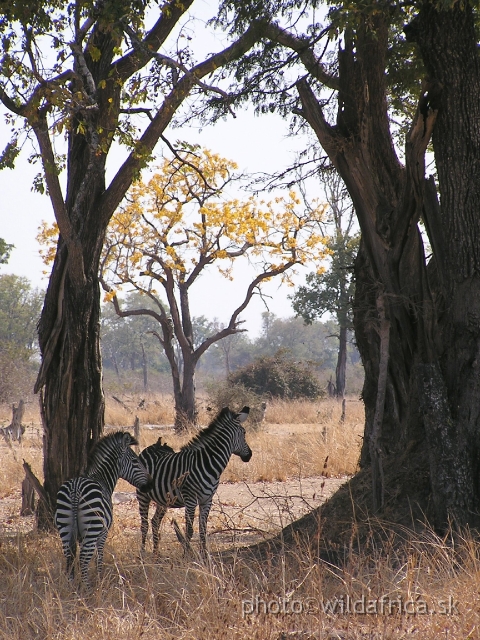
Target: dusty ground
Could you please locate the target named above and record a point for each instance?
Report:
(242, 513)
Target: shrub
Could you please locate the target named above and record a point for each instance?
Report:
(237, 396)
(278, 376)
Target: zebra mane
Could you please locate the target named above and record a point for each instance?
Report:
(118, 437)
(201, 438)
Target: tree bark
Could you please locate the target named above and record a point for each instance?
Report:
(432, 389)
(451, 391)
(375, 450)
(389, 199)
(72, 403)
(340, 372)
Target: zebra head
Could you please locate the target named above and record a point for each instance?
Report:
(132, 468)
(240, 446)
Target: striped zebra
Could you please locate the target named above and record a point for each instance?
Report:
(84, 504)
(191, 476)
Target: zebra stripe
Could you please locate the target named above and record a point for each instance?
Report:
(191, 476)
(84, 504)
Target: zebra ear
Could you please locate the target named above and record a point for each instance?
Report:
(129, 440)
(243, 415)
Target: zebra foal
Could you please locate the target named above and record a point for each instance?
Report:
(191, 476)
(84, 504)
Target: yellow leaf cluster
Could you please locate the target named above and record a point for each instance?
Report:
(181, 220)
(47, 237)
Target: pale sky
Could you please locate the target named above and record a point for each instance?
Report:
(255, 143)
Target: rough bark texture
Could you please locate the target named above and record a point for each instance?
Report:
(389, 199)
(431, 403)
(448, 44)
(72, 403)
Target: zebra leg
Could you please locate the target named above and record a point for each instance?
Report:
(70, 551)
(87, 550)
(189, 516)
(143, 506)
(202, 524)
(100, 548)
(160, 511)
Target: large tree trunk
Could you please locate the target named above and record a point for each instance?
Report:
(449, 49)
(429, 391)
(72, 401)
(390, 268)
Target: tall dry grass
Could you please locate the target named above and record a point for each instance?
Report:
(294, 440)
(426, 588)
(387, 588)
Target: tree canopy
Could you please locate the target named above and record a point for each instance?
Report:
(5, 250)
(81, 78)
(175, 226)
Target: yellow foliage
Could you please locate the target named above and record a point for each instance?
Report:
(180, 221)
(109, 296)
(47, 238)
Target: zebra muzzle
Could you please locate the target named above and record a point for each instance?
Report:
(247, 457)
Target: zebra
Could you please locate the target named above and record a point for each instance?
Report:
(191, 476)
(84, 504)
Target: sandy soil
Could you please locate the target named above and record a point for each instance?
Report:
(242, 513)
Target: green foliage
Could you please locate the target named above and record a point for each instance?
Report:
(9, 155)
(20, 307)
(333, 290)
(278, 376)
(5, 250)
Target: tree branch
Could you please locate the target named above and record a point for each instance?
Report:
(138, 58)
(75, 254)
(137, 158)
(303, 47)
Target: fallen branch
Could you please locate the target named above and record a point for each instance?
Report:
(36, 484)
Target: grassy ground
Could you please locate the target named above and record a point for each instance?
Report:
(423, 587)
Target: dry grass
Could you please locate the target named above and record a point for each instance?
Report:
(294, 441)
(294, 592)
(387, 588)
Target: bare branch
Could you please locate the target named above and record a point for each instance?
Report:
(123, 179)
(138, 58)
(304, 49)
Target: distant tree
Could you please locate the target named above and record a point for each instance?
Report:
(333, 290)
(5, 250)
(171, 229)
(127, 343)
(20, 308)
(304, 342)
